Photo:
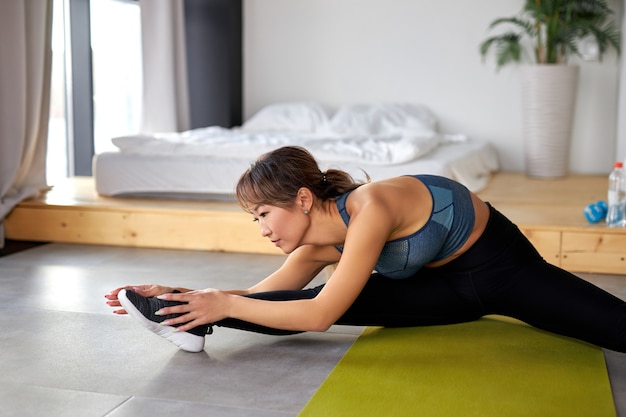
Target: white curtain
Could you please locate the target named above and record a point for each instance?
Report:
(25, 65)
(165, 97)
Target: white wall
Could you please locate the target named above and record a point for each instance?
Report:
(346, 51)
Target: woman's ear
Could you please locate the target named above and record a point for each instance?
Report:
(304, 199)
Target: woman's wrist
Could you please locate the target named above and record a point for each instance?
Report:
(229, 303)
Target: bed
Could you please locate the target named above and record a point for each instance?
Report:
(380, 139)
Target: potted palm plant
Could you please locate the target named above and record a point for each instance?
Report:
(552, 30)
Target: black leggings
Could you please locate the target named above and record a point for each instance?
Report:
(501, 273)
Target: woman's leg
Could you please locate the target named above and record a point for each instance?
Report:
(426, 299)
(512, 279)
(555, 300)
(270, 296)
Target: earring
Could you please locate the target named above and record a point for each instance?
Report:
(306, 211)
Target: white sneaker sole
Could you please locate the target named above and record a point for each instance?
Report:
(184, 340)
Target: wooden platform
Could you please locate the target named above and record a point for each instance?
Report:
(72, 212)
(549, 212)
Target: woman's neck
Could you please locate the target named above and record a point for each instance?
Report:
(328, 227)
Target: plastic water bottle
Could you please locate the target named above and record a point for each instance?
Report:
(616, 214)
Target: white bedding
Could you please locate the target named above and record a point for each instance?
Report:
(383, 140)
(237, 143)
(384, 133)
(210, 178)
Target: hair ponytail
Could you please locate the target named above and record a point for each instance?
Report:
(276, 177)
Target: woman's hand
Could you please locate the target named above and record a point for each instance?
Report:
(203, 307)
(150, 290)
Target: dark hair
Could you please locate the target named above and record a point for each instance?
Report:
(276, 177)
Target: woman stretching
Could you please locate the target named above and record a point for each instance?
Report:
(414, 250)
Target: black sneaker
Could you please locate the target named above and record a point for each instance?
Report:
(143, 309)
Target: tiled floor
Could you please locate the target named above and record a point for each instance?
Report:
(62, 352)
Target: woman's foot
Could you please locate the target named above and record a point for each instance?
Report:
(143, 309)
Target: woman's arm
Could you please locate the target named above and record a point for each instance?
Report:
(298, 270)
(369, 229)
(300, 267)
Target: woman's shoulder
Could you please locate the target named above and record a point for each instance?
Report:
(404, 204)
(389, 187)
(388, 194)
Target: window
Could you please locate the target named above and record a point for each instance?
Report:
(116, 60)
(57, 157)
(110, 66)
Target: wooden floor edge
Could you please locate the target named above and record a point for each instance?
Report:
(548, 213)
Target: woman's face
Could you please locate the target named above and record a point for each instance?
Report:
(283, 226)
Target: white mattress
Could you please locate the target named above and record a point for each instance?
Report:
(120, 174)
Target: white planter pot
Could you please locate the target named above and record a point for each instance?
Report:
(549, 100)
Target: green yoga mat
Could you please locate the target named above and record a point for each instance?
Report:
(492, 367)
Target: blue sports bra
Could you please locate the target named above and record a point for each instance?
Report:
(448, 228)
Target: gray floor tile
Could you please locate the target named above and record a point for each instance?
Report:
(150, 407)
(113, 355)
(64, 353)
(36, 401)
(616, 366)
